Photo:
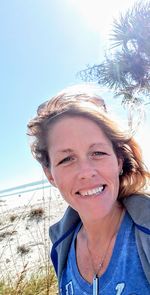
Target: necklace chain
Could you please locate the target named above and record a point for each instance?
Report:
(105, 253)
(103, 258)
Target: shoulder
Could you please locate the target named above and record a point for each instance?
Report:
(66, 225)
(138, 207)
(61, 235)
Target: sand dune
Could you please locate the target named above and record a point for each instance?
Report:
(24, 225)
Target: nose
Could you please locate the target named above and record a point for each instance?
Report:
(86, 170)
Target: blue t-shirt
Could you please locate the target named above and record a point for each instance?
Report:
(123, 276)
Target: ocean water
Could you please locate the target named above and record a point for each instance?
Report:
(21, 189)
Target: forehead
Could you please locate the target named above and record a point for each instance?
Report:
(69, 130)
(64, 117)
(66, 121)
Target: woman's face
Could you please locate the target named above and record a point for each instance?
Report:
(84, 166)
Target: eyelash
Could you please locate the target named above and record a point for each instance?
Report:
(65, 160)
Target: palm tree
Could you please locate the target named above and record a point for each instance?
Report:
(126, 69)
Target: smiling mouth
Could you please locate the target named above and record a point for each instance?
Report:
(91, 193)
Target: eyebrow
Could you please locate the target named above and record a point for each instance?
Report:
(65, 151)
(98, 144)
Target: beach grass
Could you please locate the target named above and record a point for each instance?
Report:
(25, 267)
(36, 285)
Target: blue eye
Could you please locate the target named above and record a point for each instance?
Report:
(98, 153)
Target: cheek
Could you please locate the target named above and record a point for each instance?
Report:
(59, 180)
(116, 167)
(114, 175)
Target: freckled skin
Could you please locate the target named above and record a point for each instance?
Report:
(82, 158)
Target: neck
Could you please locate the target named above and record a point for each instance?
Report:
(99, 231)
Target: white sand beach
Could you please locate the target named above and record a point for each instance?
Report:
(24, 226)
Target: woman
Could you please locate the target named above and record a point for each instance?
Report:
(102, 244)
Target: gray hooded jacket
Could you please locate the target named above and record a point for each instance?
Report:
(61, 233)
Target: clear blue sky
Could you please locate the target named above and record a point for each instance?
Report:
(43, 44)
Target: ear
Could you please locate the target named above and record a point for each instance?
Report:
(49, 175)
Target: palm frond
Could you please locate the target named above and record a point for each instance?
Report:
(134, 26)
(127, 69)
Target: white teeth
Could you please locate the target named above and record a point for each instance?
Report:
(92, 192)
